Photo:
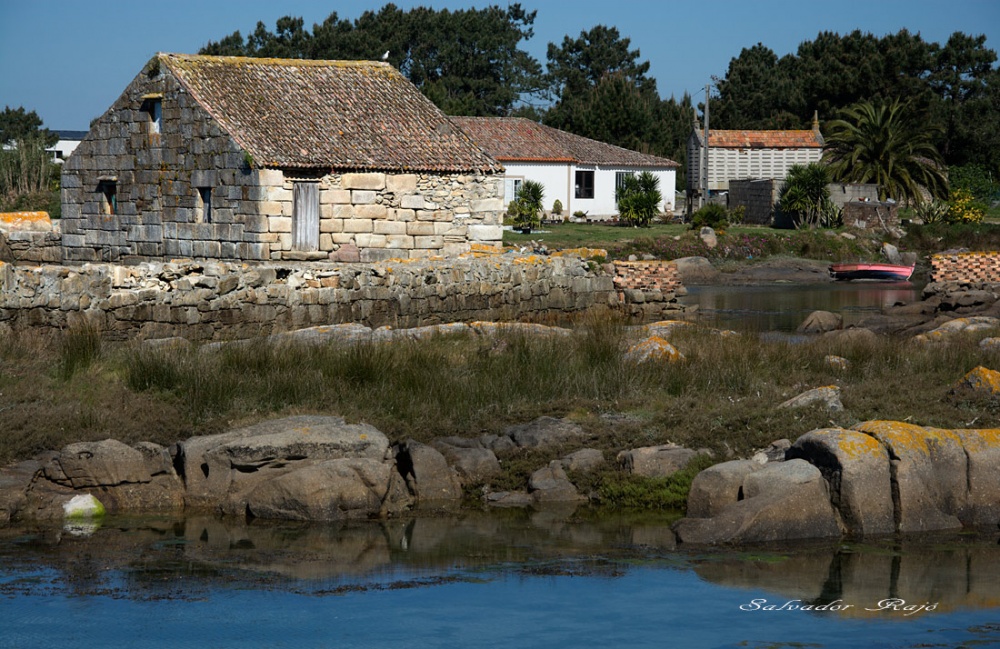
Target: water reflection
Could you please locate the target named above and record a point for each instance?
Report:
(184, 558)
(783, 307)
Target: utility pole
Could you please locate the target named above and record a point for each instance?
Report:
(704, 151)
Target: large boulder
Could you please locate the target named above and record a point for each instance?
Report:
(219, 470)
(472, 462)
(655, 461)
(980, 380)
(98, 464)
(696, 270)
(583, 461)
(718, 486)
(928, 474)
(550, 484)
(982, 448)
(782, 501)
(653, 348)
(427, 473)
(546, 432)
(857, 467)
(827, 397)
(819, 322)
(325, 491)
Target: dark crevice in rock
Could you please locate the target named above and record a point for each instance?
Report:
(897, 510)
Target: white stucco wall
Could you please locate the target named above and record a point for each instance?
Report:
(559, 181)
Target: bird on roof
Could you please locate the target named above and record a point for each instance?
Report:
(385, 57)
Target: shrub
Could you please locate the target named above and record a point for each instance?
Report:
(557, 207)
(930, 212)
(638, 198)
(528, 203)
(965, 208)
(712, 215)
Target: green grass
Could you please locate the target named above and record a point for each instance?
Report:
(722, 397)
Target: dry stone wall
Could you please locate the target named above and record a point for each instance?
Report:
(211, 300)
(966, 267)
(647, 289)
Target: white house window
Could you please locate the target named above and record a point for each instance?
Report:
(203, 209)
(620, 179)
(510, 188)
(584, 184)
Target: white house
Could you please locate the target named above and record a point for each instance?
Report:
(581, 173)
(68, 141)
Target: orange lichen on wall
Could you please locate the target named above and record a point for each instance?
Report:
(584, 253)
(34, 221)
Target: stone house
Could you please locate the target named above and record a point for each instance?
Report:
(276, 159)
(581, 173)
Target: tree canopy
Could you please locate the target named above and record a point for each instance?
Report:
(596, 84)
(18, 125)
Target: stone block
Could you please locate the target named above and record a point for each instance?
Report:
(334, 197)
(487, 205)
(271, 208)
(372, 181)
(279, 224)
(428, 243)
(485, 232)
(270, 177)
(399, 241)
(331, 225)
(358, 225)
(424, 228)
(363, 197)
(390, 227)
(365, 240)
(370, 211)
(399, 183)
(412, 202)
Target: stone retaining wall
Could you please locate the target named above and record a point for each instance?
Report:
(647, 289)
(966, 267)
(211, 300)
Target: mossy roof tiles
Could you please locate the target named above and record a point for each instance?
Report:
(360, 115)
(515, 139)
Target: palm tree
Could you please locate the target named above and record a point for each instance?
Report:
(806, 195)
(884, 143)
(528, 202)
(638, 198)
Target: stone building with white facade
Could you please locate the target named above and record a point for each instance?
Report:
(276, 159)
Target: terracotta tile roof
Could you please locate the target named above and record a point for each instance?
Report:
(804, 139)
(515, 139)
(361, 115)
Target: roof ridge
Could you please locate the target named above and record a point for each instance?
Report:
(252, 60)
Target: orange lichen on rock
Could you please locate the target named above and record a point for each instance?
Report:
(978, 440)
(857, 446)
(982, 380)
(584, 253)
(653, 348)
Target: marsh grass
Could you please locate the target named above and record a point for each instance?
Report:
(722, 397)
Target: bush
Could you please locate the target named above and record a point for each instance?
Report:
(965, 208)
(557, 207)
(638, 198)
(712, 215)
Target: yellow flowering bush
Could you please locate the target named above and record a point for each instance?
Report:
(964, 208)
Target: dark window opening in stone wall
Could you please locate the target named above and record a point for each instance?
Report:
(203, 210)
(109, 196)
(153, 107)
(585, 184)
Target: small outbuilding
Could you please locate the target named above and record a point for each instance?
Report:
(276, 159)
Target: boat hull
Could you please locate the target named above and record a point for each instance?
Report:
(878, 272)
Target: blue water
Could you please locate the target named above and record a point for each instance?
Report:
(118, 589)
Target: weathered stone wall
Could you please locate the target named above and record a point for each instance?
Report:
(871, 215)
(757, 197)
(29, 237)
(966, 267)
(223, 300)
(647, 289)
(160, 173)
(376, 216)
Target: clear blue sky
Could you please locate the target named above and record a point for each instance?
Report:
(69, 60)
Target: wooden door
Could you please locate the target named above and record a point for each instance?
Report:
(305, 216)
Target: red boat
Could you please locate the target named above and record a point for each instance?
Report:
(882, 272)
